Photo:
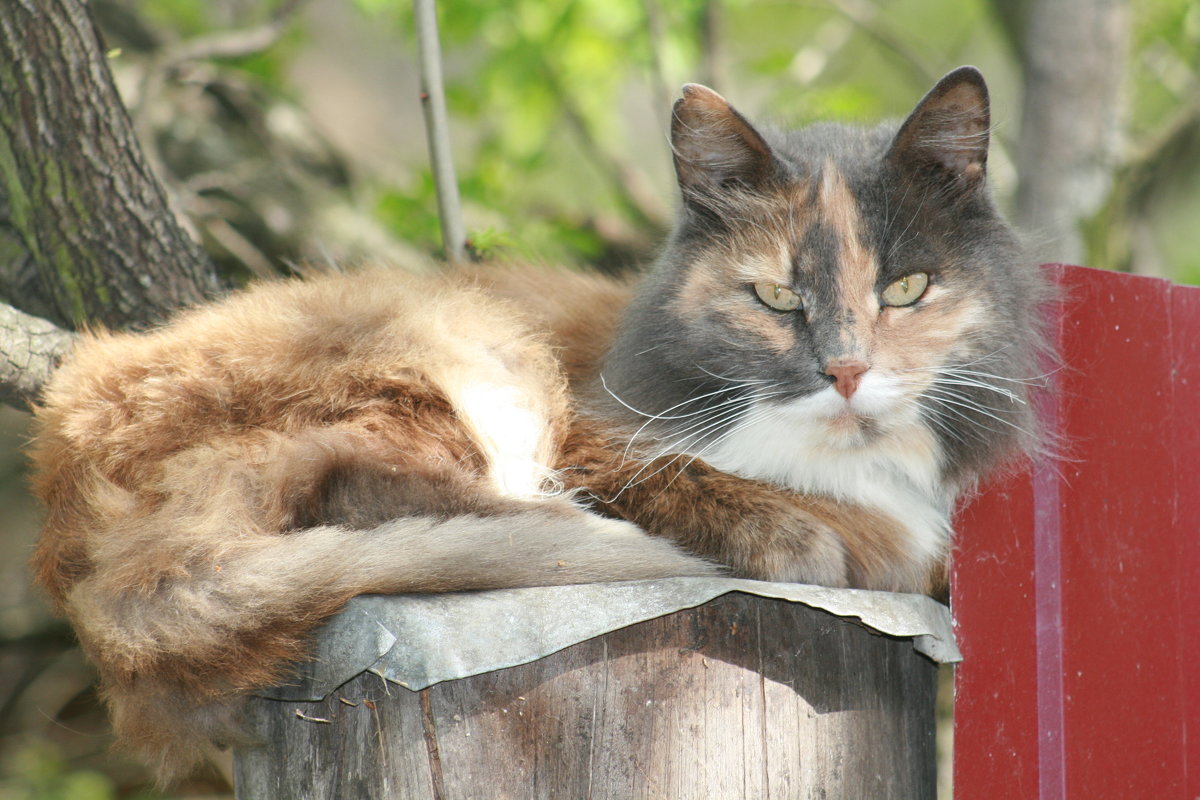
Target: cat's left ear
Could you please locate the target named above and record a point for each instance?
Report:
(948, 131)
(714, 146)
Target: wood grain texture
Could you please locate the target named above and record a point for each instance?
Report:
(744, 697)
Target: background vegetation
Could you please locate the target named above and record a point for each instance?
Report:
(289, 136)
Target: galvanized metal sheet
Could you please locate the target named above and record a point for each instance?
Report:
(418, 640)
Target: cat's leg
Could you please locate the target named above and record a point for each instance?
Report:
(761, 531)
(757, 531)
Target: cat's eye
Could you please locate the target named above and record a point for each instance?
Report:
(905, 291)
(777, 297)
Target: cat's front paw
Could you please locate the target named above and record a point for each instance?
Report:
(788, 544)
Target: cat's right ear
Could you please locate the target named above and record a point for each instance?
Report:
(715, 147)
(947, 133)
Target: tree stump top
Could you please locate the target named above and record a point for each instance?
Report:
(451, 636)
(686, 689)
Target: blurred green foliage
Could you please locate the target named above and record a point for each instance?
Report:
(546, 88)
(1166, 46)
(1157, 192)
(559, 107)
(543, 85)
(186, 18)
(539, 85)
(38, 771)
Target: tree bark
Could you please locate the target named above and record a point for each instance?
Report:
(81, 199)
(1073, 55)
(30, 349)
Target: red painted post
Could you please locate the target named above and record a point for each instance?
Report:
(993, 602)
(1074, 593)
(1186, 372)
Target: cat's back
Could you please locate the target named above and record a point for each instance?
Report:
(578, 311)
(282, 356)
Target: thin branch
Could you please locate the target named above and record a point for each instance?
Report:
(632, 190)
(864, 14)
(240, 247)
(658, 74)
(30, 349)
(233, 44)
(713, 70)
(223, 44)
(433, 102)
(1187, 112)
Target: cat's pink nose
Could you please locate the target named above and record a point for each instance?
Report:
(847, 374)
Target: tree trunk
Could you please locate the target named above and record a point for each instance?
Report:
(1073, 55)
(81, 200)
(742, 697)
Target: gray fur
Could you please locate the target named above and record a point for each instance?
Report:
(922, 211)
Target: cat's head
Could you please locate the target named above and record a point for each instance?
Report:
(847, 287)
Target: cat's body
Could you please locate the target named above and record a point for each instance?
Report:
(837, 339)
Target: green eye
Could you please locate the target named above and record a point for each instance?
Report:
(905, 291)
(777, 297)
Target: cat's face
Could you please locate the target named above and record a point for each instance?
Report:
(834, 292)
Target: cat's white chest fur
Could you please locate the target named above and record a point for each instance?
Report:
(808, 445)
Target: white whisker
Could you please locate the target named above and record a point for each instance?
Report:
(762, 413)
(951, 398)
(720, 420)
(738, 381)
(703, 413)
(954, 381)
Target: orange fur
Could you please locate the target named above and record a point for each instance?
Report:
(217, 487)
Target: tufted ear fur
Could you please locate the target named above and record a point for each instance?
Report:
(946, 136)
(715, 147)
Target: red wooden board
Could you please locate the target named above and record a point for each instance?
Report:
(1186, 350)
(995, 706)
(1072, 581)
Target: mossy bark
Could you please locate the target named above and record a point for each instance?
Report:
(81, 200)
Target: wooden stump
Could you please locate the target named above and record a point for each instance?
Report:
(743, 697)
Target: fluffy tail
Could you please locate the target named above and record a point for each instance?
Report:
(201, 576)
(176, 660)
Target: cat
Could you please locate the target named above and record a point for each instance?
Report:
(839, 338)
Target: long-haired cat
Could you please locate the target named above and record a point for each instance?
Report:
(837, 339)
